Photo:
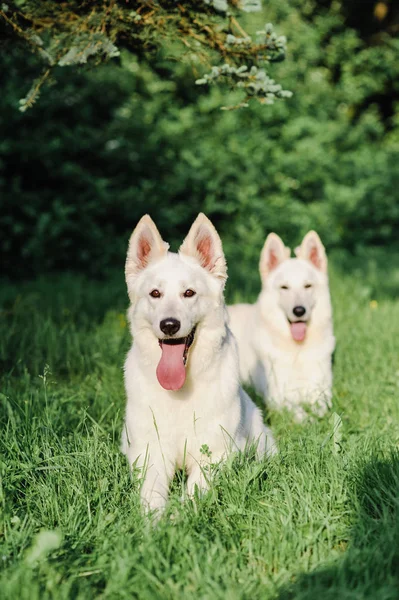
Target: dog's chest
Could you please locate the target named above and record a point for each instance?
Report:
(188, 428)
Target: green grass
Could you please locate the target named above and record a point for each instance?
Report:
(321, 520)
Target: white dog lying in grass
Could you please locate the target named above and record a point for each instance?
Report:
(185, 408)
(285, 339)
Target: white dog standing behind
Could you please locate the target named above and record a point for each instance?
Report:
(286, 339)
(185, 407)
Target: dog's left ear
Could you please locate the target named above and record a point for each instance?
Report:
(204, 244)
(313, 250)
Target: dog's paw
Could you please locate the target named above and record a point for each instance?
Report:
(196, 489)
(269, 446)
(320, 409)
(310, 411)
(299, 413)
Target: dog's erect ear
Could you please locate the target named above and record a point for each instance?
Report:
(273, 253)
(204, 244)
(313, 250)
(145, 245)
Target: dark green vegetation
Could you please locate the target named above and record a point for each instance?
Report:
(319, 521)
(103, 147)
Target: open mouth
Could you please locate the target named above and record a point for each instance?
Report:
(298, 330)
(171, 369)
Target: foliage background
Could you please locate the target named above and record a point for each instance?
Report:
(102, 147)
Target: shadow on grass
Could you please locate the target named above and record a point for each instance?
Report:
(370, 567)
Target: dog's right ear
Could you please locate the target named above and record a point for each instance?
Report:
(312, 249)
(273, 253)
(145, 245)
(205, 246)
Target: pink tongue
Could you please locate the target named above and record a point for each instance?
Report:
(171, 371)
(298, 331)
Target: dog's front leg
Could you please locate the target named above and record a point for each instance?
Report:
(155, 486)
(202, 470)
(198, 479)
(154, 472)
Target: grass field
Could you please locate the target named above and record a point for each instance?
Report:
(319, 521)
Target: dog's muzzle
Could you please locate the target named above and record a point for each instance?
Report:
(171, 369)
(187, 341)
(298, 330)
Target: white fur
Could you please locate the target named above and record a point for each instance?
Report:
(165, 430)
(288, 373)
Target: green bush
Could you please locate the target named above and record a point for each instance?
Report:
(104, 147)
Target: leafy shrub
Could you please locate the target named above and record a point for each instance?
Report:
(78, 170)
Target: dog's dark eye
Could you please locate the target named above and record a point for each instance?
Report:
(283, 287)
(308, 285)
(155, 294)
(189, 293)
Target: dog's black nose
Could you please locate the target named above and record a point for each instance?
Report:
(299, 311)
(169, 326)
